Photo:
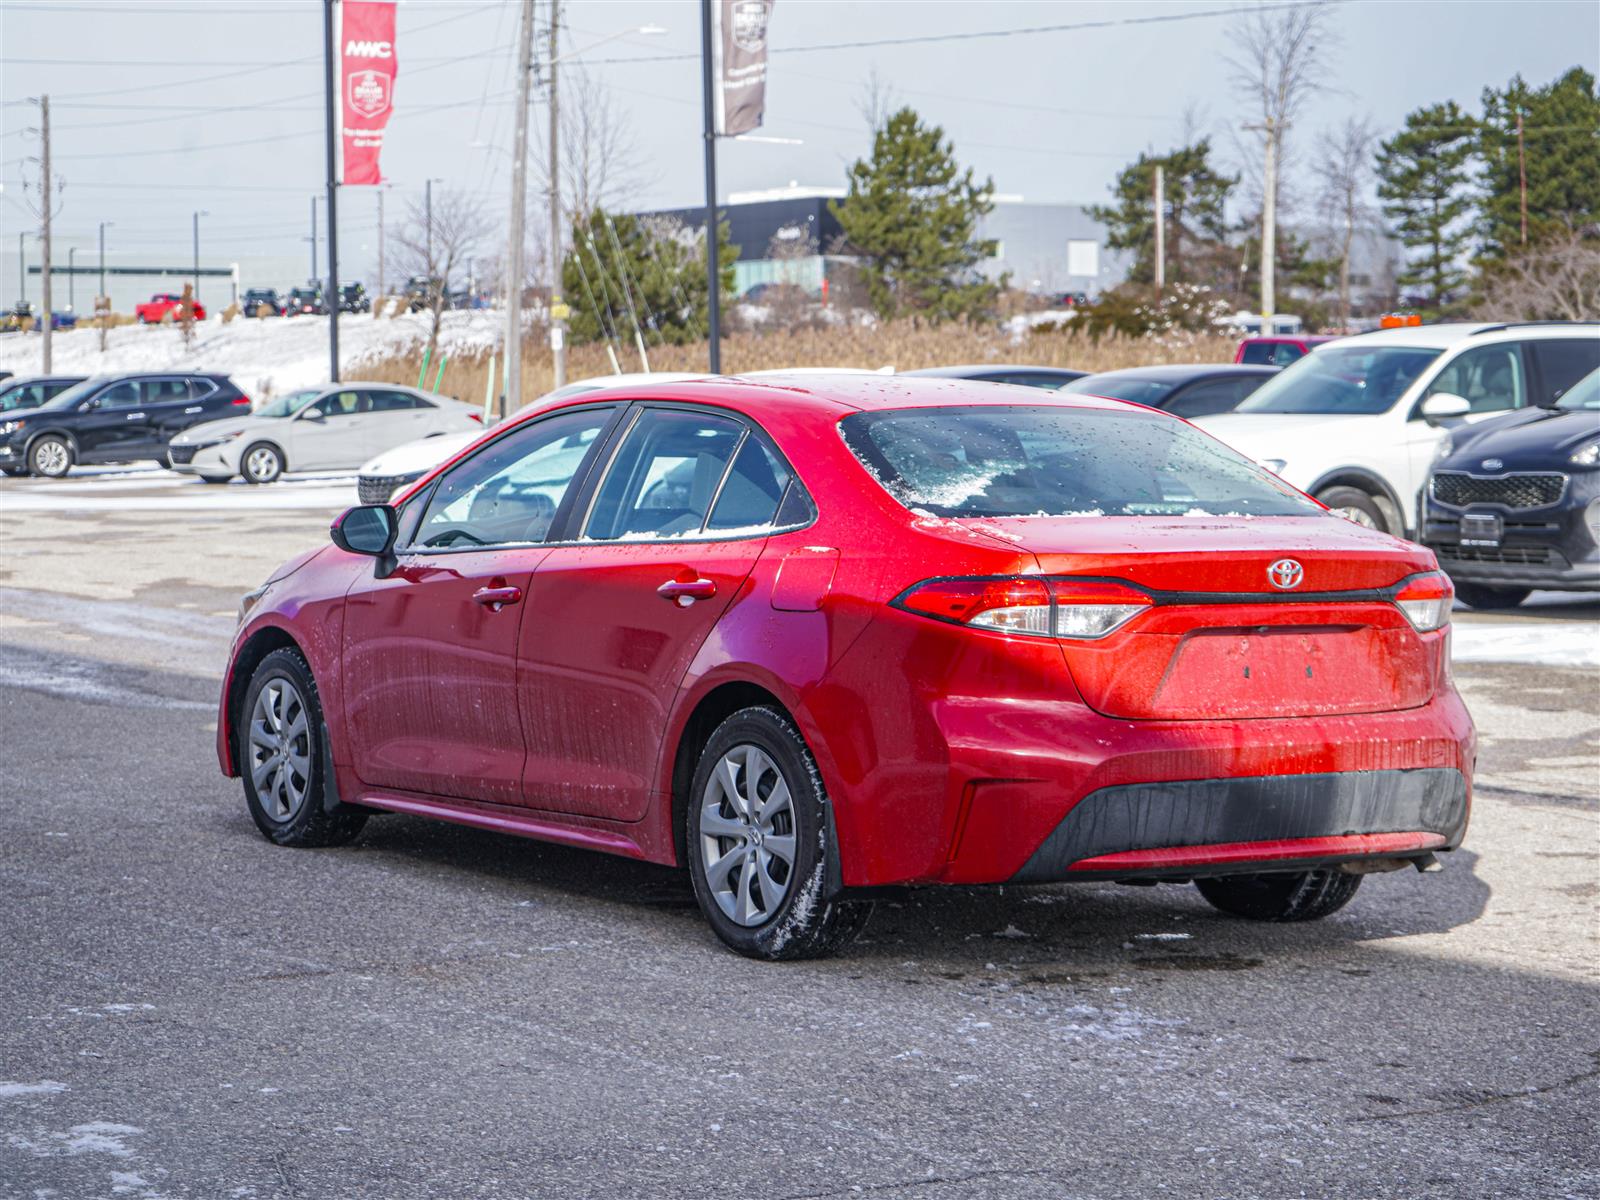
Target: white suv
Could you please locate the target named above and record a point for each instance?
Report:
(1357, 421)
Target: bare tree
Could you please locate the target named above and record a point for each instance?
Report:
(460, 226)
(1280, 63)
(1344, 174)
(875, 100)
(601, 163)
(1556, 279)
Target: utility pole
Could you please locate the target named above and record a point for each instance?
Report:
(381, 292)
(333, 192)
(558, 318)
(512, 395)
(713, 268)
(1271, 131)
(1522, 180)
(313, 238)
(72, 268)
(103, 225)
(1161, 230)
(44, 190)
(197, 217)
(102, 302)
(427, 206)
(22, 268)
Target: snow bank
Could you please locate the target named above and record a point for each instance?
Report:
(1542, 643)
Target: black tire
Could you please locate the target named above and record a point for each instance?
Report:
(800, 924)
(216, 479)
(1354, 500)
(258, 472)
(1302, 896)
(307, 823)
(50, 456)
(1477, 595)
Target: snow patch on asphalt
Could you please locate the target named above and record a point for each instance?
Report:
(1539, 643)
(79, 681)
(95, 1137)
(45, 1087)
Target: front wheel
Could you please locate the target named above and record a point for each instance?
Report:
(758, 846)
(1354, 505)
(261, 463)
(282, 757)
(50, 456)
(1477, 595)
(1298, 896)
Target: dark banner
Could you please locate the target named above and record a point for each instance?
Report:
(740, 43)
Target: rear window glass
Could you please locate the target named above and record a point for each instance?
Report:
(1149, 392)
(1054, 462)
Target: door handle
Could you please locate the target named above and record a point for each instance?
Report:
(134, 417)
(194, 408)
(685, 592)
(496, 598)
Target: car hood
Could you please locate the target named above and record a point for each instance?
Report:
(1534, 438)
(423, 455)
(212, 431)
(1270, 430)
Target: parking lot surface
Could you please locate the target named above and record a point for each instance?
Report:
(437, 1011)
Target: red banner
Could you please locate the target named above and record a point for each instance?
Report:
(367, 68)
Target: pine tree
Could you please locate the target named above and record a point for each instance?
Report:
(1424, 181)
(912, 215)
(628, 274)
(1195, 195)
(1562, 153)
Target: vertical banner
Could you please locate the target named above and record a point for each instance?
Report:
(739, 42)
(367, 68)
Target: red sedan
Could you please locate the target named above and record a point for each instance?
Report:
(817, 635)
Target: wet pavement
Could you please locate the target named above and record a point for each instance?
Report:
(188, 1011)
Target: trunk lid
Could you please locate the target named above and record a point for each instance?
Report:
(1221, 642)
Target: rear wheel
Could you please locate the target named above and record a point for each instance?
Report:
(282, 757)
(1301, 896)
(1476, 595)
(50, 456)
(758, 846)
(261, 463)
(1355, 505)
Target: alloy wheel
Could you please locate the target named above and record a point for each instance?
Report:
(51, 458)
(1359, 515)
(280, 750)
(262, 465)
(747, 835)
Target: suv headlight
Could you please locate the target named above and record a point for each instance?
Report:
(1446, 446)
(7, 427)
(1583, 456)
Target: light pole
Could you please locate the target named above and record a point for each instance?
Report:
(313, 239)
(72, 298)
(104, 225)
(427, 217)
(197, 216)
(22, 267)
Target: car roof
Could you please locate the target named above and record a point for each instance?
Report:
(1450, 333)
(1181, 372)
(966, 371)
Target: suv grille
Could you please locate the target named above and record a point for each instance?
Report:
(376, 489)
(1510, 491)
(1523, 556)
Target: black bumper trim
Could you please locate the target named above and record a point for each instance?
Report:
(1267, 808)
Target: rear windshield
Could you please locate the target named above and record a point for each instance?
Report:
(1356, 380)
(1017, 461)
(1150, 392)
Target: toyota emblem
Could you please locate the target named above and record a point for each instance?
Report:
(1285, 574)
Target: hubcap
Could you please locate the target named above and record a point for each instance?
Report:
(747, 835)
(1359, 515)
(280, 750)
(262, 464)
(51, 458)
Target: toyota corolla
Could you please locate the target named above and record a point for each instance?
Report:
(810, 638)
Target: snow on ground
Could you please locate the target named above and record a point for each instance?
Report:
(1540, 643)
(265, 357)
(155, 489)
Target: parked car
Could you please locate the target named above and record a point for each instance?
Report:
(114, 419)
(353, 298)
(1513, 503)
(306, 301)
(1279, 351)
(711, 624)
(319, 429)
(155, 309)
(34, 390)
(258, 299)
(1355, 423)
(1039, 377)
(1193, 390)
(420, 292)
(405, 464)
(22, 312)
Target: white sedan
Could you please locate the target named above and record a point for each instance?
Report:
(321, 429)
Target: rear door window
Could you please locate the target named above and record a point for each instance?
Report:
(664, 476)
(749, 498)
(1489, 378)
(387, 401)
(1211, 396)
(1562, 362)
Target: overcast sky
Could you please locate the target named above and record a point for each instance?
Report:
(161, 107)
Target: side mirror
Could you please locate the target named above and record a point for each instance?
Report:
(1443, 406)
(366, 529)
(313, 413)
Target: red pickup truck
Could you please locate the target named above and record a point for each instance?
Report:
(162, 303)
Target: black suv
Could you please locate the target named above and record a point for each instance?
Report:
(353, 298)
(1513, 502)
(306, 300)
(113, 419)
(258, 298)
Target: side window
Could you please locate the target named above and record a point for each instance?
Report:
(120, 395)
(1211, 396)
(343, 404)
(392, 401)
(1490, 378)
(664, 477)
(1285, 353)
(164, 391)
(1258, 353)
(509, 491)
(1562, 362)
(200, 387)
(751, 494)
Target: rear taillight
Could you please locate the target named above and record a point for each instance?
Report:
(240, 402)
(1426, 601)
(1061, 608)
(478, 417)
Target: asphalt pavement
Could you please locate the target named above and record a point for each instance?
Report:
(189, 1011)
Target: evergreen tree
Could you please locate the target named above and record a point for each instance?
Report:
(1424, 178)
(1195, 194)
(1562, 152)
(626, 272)
(912, 215)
